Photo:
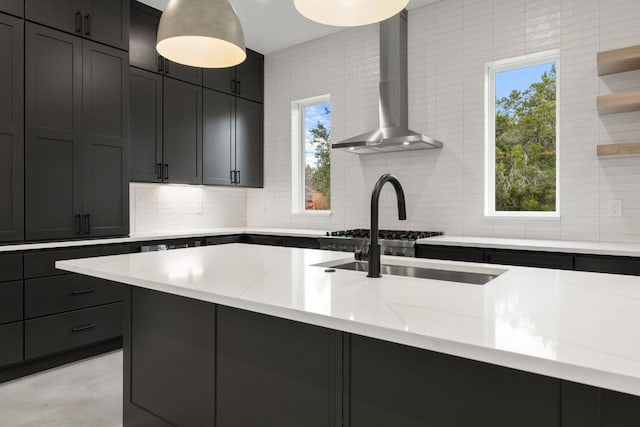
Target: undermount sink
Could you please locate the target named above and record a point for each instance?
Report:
(470, 277)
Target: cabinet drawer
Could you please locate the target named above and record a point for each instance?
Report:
(53, 334)
(608, 264)
(10, 302)
(10, 267)
(56, 294)
(11, 348)
(39, 264)
(530, 259)
(452, 253)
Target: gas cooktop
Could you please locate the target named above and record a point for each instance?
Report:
(392, 242)
(363, 233)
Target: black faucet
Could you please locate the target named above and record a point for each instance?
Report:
(374, 246)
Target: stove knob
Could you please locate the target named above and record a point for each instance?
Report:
(388, 251)
(400, 253)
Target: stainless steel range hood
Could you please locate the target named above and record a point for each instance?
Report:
(394, 133)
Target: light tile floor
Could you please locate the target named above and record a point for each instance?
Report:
(87, 393)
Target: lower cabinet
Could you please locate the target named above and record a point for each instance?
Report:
(53, 334)
(11, 348)
(400, 386)
(608, 264)
(273, 372)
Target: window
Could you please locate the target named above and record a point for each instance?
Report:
(521, 174)
(312, 154)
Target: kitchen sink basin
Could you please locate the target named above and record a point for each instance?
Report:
(473, 278)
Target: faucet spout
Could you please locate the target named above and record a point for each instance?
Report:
(374, 246)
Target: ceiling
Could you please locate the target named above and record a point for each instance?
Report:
(271, 25)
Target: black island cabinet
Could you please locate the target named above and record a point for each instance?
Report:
(193, 363)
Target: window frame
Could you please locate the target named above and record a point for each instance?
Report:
(491, 68)
(298, 110)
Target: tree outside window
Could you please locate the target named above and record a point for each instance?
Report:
(317, 160)
(522, 170)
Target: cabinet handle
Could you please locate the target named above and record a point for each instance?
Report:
(87, 25)
(78, 22)
(238, 87)
(83, 327)
(159, 170)
(166, 65)
(87, 223)
(160, 61)
(83, 291)
(237, 177)
(232, 176)
(166, 171)
(77, 224)
(233, 86)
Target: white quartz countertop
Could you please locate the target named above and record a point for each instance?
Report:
(576, 326)
(576, 247)
(140, 237)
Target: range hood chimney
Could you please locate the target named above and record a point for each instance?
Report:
(394, 133)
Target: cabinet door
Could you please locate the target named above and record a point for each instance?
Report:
(11, 129)
(14, 7)
(182, 147)
(146, 125)
(107, 22)
(275, 372)
(142, 37)
(65, 15)
(396, 385)
(169, 350)
(249, 143)
(183, 72)
(220, 79)
(53, 133)
(250, 77)
(218, 113)
(453, 253)
(105, 141)
(11, 301)
(529, 258)
(11, 339)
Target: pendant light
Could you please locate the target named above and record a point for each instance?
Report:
(201, 33)
(349, 13)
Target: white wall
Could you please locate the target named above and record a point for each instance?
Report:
(449, 43)
(161, 207)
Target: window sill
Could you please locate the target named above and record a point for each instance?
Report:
(521, 216)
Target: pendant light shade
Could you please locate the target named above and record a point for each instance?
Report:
(201, 33)
(349, 13)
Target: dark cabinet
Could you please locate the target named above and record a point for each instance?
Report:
(232, 140)
(77, 133)
(395, 385)
(146, 126)
(529, 259)
(275, 372)
(245, 80)
(14, 7)
(11, 302)
(142, 47)
(11, 129)
(451, 253)
(103, 21)
(608, 264)
(172, 373)
(11, 337)
(182, 132)
(219, 135)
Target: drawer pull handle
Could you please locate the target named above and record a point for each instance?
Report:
(84, 327)
(83, 291)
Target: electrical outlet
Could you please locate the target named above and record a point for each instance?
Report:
(198, 206)
(615, 207)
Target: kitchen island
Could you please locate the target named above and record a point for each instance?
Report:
(244, 335)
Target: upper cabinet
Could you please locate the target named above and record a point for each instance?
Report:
(245, 80)
(77, 133)
(11, 129)
(14, 7)
(142, 47)
(99, 20)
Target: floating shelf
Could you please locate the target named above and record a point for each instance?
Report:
(619, 60)
(618, 150)
(619, 103)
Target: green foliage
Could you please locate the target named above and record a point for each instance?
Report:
(526, 148)
(321, 175)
